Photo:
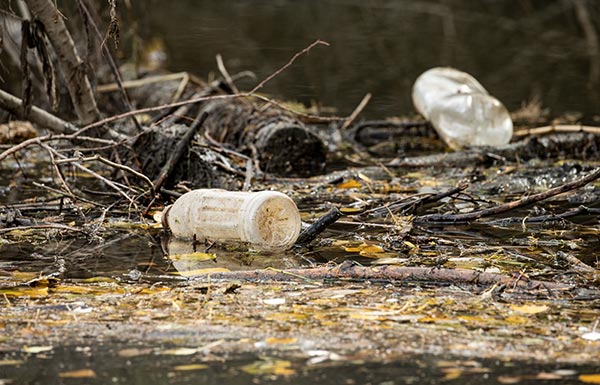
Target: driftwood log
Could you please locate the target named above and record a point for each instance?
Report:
(282, 144)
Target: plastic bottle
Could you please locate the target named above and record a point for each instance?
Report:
(267, 220)
(460, 109)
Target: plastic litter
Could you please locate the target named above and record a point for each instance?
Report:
(266, 220)
(460, 109)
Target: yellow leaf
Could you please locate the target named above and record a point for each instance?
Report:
(351, 210)
(280, 341)
(190, 367)
(364, 249)
(81, 373)
(529, 308)
(179, 352)
(99, 279)
(23, 275)
(10, 362)
(133, 352)
(153, 290)
(193, 257)
(277, 367)
(371, 249)
(351, 183)
(590, 378)
(36, 349)
(25, 291)
(452, 373)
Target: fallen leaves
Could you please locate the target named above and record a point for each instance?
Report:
(81, 373)
(590, 378)
(529, 308)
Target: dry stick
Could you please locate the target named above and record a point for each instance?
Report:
(399, 206)
(142, 82)
(112, 164)
(49, 138)
(59, 174)
(113, 185)
(225, 74)
(363, 103)
(558, 128)
(69, 61)
(113, 66)
(581, 210)
(62, 193)
(45, 119)
(178, 151)
(36, 115)
(349, 270)
(453, 218)
(289, 63)
(228, 96)
(45, 226)
(319, 226)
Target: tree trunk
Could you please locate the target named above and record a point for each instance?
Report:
(71, 65)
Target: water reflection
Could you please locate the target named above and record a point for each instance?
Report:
(519, 50)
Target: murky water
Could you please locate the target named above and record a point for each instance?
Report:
(519, 50)
(102, 365)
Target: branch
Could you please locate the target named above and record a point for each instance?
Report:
(349, 270)
(453, 218)
(36, 115)
(69, 61)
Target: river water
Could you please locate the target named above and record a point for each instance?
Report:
(519, 50)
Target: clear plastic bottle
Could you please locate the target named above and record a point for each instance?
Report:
(460, 109)
(267, 220)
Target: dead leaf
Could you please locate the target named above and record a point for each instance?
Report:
(36, 349)
(281, 341)
(351, 183)
(81, 373)
(190, 367)
(590, 378)
(179, 352)
(529, 308)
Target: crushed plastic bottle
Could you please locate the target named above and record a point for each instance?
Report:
(266, 220)
(460, 109)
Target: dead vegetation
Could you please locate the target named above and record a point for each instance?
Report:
(441, 249)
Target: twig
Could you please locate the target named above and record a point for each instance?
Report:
(112, 184)
(178, 151)
(581, 210)
(45, 119)
(111, 63)
(558, 128)
(49, 138)
(228, 96)
(62, 193)
(225, 74)
(414, 203)
(112, 164)
(59, 174)
(363, 103)
(36, 115)
(319, 226)
(466, 217)
(289, 63)
(43, 226)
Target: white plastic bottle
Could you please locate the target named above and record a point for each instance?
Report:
(460, 109)
(267, 220)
